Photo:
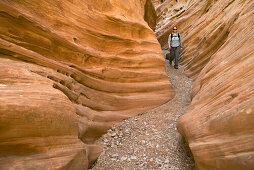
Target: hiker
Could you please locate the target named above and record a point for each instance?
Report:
(175, 44)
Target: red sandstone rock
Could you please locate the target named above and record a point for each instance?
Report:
(69, 70)
(219, 54)
(150, 14)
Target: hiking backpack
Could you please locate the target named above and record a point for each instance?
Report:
(177, 35)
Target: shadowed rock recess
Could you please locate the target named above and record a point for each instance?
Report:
(218, 38)
(69, 70)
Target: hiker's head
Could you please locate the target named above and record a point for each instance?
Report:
(174, 29)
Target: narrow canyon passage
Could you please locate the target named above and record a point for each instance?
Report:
(70, 70)
(151, 140)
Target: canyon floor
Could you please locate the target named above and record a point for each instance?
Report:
(150, 140)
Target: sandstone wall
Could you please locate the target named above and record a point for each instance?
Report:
(150, 15)
(218, 37)
(69, 70)
(157, 3)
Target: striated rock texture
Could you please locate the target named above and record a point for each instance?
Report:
(218, 37)
(150, 15)
(69, 71)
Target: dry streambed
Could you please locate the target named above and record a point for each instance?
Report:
(151, 140)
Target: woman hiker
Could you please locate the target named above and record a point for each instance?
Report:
(175, 44)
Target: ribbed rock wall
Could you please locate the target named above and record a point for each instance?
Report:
(218, 38)
(150, 15)
(69, 71)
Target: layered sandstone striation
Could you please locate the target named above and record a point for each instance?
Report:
(150, 15)
(69, 71)
(218, 37)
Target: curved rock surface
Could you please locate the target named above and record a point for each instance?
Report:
(69, 71)
(150, 15)
(218, 37)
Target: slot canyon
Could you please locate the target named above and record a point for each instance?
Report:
(70, 70)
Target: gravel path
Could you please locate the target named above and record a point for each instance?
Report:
(150, 140)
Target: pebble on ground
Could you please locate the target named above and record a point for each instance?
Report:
(150, 140)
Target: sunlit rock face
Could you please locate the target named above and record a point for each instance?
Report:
(69, 71)
(218, 38)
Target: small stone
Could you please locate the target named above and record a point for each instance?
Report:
(123, 158)
(158, 161)
(141, 165)
(165, 166)
(172, 168)
(115, 155)
(133, 157)
(113, 134)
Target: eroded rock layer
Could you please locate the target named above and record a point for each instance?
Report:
(218, 38)
(69, 70)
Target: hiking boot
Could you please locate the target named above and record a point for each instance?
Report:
(175, 66)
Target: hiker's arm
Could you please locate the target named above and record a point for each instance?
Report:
(169, 41)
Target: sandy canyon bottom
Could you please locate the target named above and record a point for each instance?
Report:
(151, 140)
